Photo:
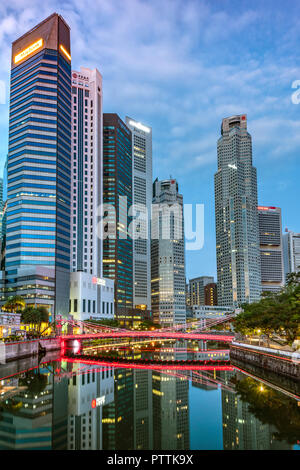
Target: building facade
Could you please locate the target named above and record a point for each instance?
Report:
(291, 251)
(197, 289)
(117, 199)
(87, 286)
(141, 198)
(271, 251)
(167, 254)
(39, 161)
(210, 294)
(237, 233)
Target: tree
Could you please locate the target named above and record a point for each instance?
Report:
(14, 304)
(35, 315)
(148, 324)
(35, 381)
(274, 313)
(271, 407)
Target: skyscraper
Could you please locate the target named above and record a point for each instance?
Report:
(1, 205)
(141, 198)
(271, 253)
(90, 294)
(291, 252)
(237, 234)
(39, 159)
(117, 196)
(167, 254)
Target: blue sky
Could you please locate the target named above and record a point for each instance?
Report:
(180, 66)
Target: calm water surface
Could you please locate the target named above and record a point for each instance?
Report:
(82, 405)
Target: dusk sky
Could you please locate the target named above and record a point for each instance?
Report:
(180, 66)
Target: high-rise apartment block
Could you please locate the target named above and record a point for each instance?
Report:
(237, 233)
(37, 259)
(167, 254)
(117, 197)
(271, 253)
(91, 296)
(142, 199)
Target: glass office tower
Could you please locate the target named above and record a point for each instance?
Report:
(39, 158)
(117, 192)
(142, 198)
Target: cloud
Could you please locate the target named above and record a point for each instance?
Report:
(179, 66)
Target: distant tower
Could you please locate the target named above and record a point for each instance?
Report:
(197, 289)
(167, 254)
(237, 234)
(291, 252)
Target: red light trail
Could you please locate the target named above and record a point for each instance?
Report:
(155, 335)
(133, 365)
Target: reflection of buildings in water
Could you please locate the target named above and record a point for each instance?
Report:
(241, 429)
(26, 419)
(60, 409)
(206, 380)
(172, 351)
(143, 409)
(117, 417)
(88, 392)
(170, 412)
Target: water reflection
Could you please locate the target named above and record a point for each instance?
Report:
(65, 405)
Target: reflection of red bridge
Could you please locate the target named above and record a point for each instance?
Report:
(156, 335)
(152, 366)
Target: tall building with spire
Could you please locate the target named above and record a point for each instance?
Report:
(237, 232)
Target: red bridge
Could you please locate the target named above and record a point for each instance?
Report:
(155, 335)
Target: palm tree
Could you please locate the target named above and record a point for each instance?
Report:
(14, 304)
(35, 315)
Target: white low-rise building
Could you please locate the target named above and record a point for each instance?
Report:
(91, 297)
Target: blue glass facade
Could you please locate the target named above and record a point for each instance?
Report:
(39, 156)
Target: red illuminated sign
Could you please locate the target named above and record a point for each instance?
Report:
(265, 208)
